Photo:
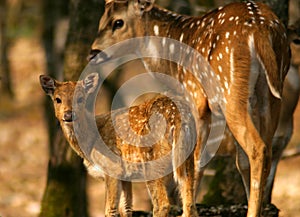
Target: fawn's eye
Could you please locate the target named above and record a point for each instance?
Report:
(57, 100)
(118, 24)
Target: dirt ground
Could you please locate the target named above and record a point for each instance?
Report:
(24, 152)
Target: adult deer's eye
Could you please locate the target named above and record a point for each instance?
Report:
(58, 100)
(118, 24)
(80, 100)
(296, 41)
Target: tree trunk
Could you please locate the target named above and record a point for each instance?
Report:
(50, 18)
(83, 30)
(65, 193)
(5, 80)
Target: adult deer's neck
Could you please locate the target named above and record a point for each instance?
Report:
(161, 22)
(165, 23)
(188, 30)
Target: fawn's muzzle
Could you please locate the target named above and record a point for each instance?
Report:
(68, 116)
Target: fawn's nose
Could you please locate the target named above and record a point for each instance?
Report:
(68, 116)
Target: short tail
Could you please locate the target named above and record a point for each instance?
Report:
(274, 59)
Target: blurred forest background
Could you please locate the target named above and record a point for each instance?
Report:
(38, 37)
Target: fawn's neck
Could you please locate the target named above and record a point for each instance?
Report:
(69, 133)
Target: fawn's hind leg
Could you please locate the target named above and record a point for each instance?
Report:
(185, 178)
(159, 197)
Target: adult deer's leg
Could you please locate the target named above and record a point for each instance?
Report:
(203, 132)
(254, 134)
(197, 182)
(198, 168)
(256, 150)
(284, 129)
(278, 146)
(243, 167)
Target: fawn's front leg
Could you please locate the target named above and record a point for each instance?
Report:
(159, 197)
(125, 207)
(112, 195)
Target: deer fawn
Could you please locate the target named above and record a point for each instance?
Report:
(62, 94)
(247, 48)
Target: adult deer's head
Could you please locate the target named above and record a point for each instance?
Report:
(121, 20)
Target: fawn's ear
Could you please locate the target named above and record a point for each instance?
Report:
(90, 83)
(48, 84)
(143, 5)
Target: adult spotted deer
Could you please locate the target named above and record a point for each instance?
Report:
(290, 97)
(282, 136)
(247, 48)
(284, 131)
(176, 132)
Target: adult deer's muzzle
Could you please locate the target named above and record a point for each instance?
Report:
(97, 56)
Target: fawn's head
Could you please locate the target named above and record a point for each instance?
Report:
(63, 94)
(121, 20)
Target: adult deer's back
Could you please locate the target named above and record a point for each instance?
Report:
(246, 46)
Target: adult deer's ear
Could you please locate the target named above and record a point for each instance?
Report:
(143, 5)
(293, 32)
(90, 83)
(108, 1)
(48, 84)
